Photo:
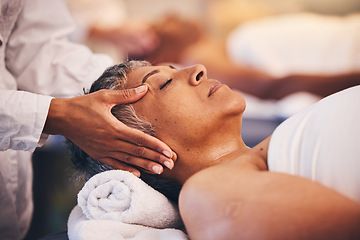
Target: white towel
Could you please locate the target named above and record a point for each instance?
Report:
(305, 144)
(117, 205)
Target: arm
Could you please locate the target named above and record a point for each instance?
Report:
(133, 39)
(234, 201)
(43, 61)
(264, 86)
(267, 87)
(319, 85)
(20, 127)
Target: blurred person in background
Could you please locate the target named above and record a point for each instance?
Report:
(241, 42)
(275, 56)
(271, 57)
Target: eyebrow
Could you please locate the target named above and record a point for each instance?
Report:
(149, 75)
(154, 72)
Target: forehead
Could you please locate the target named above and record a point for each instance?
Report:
(138, 75)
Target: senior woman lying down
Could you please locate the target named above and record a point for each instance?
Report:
(303, 182)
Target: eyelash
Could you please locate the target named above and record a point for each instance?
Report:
(164, 85)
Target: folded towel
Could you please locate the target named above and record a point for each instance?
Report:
(117, 205)
(81, 228)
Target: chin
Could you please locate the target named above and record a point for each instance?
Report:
(235, 103)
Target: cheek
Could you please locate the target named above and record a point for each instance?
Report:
(183, 123)
(161, 114)
(180, 119)
(173, 117)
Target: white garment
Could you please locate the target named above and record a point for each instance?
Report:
(303, 43)
(321, 143)
(37, 58)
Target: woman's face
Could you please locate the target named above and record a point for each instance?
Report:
(185, 107)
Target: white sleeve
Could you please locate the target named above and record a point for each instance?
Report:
(44, 63)
(42, 59)
(22, 117)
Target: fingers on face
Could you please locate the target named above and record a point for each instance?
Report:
(142, 157)
(144, 140)
(123, 96)
(136, 162)
(142, 150)
(151, 155)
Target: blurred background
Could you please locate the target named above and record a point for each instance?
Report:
(195, 31)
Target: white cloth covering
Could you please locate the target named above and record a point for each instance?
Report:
(117, 205)
(302, 43)
(36, 58)
(321, 143)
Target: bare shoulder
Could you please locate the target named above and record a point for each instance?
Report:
(236, 201)
(207, 200)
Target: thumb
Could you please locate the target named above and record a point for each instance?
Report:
(128, 95)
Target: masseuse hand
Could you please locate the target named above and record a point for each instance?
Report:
(88, 122)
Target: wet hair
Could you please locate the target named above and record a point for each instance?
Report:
(115, 78)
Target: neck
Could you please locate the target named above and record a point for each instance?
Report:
(195, 158)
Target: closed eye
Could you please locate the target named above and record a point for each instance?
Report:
(164, 85)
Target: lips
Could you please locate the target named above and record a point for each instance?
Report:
(214, 87)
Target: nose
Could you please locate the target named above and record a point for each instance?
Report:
(197, 74)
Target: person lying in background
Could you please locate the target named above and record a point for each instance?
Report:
(265, 58)
(300, 183)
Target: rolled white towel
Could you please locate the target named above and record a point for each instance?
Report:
(81, 228)
(120, 196)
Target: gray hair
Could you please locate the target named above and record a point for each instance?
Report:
(115, 78)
